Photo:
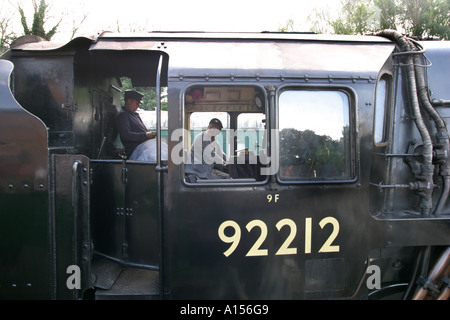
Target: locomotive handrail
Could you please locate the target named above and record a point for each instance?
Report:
(440, 102)
(159, 167)
(159, 174)
(75, 201)
(408, 52)
(75, 167)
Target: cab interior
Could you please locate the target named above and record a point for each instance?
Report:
(242, 111)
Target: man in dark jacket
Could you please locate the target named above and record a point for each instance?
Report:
(131, 129)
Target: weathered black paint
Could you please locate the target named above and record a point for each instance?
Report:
(74, 90)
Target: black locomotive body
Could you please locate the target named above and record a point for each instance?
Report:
(338, 173)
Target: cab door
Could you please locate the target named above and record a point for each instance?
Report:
(127, 194)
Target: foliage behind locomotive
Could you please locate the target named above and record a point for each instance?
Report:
(337, 158)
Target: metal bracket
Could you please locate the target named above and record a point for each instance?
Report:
(429, 285)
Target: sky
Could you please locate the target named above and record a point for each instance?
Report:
(173, 15)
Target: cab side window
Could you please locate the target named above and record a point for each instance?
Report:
(232, 154)
(382, 100)
(314, 136)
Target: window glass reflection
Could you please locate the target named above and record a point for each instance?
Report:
(314, 135)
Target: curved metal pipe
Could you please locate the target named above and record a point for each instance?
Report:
(442, 137)
(423, 95)
(127, 264)
(412, 282)
(443, 197)
(440, 267)
(445, 295)
(361, 281)
(425, 261)
(425, 180)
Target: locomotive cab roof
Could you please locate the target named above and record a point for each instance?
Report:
(225, 54)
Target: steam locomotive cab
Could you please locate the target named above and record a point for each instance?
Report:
(100, 219)
(329, 171)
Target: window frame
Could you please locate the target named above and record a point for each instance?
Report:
(352, 116)
(221, 182)
(387, 77)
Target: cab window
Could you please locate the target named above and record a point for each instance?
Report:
(382, 99)
(314, 136)
(239, 142)
(250, 132)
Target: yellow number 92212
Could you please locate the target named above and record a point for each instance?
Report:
(285, 249)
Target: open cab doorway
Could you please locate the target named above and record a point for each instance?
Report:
(126, 196)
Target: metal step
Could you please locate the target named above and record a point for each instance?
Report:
(132, 284)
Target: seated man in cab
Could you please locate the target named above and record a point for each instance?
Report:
(131, 128)
(207, 157)
(139, 143)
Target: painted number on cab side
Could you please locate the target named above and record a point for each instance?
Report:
(233, 236)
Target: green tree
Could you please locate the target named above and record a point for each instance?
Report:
(308, 152)
(356, 18)
(422, 18)
(389, 10)
(149, 100)
(439, 18)
(288, 27)
(320, 21)
(426, 17)
(6, 36)
(39, 19)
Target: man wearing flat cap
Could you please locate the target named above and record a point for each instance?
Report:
(131, 129)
